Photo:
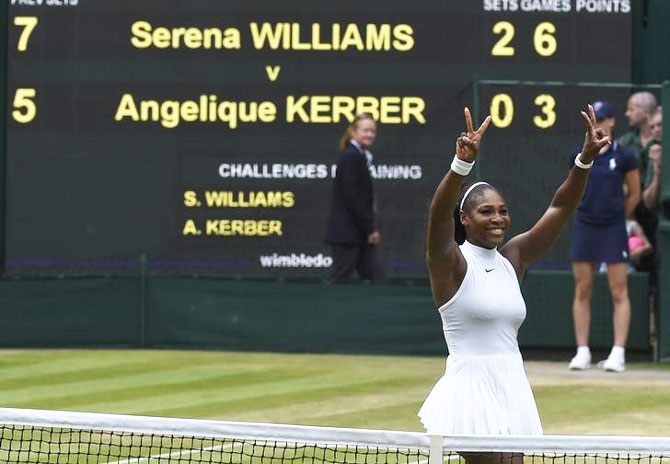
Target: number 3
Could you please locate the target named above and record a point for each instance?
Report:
(548, 104)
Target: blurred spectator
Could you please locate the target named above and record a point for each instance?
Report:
(650, 198)
(641, 111)
(638, 243)
(641, 106)
(599, 235)
(652, 184)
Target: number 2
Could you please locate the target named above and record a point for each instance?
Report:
(28, 23)
(502, 48)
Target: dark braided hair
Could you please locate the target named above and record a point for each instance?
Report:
(459, 229)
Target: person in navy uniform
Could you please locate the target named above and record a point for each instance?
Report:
(351, 231)
(599, 236)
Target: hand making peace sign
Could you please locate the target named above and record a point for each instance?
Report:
(594, 139)
(467, 145)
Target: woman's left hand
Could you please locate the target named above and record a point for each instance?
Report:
(594, 139)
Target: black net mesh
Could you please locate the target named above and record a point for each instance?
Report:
(31, 444)
(22, 444)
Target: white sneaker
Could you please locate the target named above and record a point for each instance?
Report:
(613, 364)
(581, 361)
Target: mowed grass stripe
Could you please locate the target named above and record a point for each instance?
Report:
(304, 402)
(313, 409)
(153, 375)
(400, 416)
(22, 364)
(634, 407)
(338, 390)
(214, 373)
(109, 371)
(232, 394)
(139, 389)
(36, 390)
(59, 362)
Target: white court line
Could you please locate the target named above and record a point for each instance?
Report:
(180, 453)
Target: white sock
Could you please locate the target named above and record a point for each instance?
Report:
(618, 352)
(583, 350)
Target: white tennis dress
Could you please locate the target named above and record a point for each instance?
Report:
(484, 390)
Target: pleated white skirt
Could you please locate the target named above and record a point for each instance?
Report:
(482, 395)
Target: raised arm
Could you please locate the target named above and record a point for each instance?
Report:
(525, 248)
(445, 262)
(651, 193)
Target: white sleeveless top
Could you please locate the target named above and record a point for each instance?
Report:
(484, 390)
(485, 314)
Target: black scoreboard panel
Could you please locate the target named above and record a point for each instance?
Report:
(204, 133)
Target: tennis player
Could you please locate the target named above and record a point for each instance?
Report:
(475, 287)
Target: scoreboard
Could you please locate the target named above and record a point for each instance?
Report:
(204, 133)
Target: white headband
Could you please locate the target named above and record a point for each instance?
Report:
(467, 192)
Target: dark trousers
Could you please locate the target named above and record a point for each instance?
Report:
(360, 258)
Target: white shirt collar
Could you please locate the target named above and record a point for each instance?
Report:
(368, 155)
(485, 253)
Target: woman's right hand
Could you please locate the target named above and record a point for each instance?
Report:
(467, 145)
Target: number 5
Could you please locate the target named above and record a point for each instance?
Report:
(28, 23)
(23, 99)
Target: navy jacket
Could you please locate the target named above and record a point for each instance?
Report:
(351, 217)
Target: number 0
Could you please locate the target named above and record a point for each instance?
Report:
(23, 100)
(28, 23)
(504, 100)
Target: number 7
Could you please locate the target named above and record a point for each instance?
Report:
(29, 23)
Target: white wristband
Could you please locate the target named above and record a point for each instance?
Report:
(579, 164)
(460, 167)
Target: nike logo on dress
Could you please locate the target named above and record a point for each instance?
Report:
(489, 270)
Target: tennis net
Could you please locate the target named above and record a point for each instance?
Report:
(35, 436)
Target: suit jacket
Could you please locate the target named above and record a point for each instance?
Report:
(351, 217)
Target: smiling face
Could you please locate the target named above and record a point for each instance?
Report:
(485, 218)
(364, 132)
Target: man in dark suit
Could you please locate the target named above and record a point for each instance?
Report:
(351, 228)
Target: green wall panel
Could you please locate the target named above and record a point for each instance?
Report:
(69, 313)
(289, 316)
(549, 301)
(293, 316)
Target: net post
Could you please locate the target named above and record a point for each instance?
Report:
(435, 455)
